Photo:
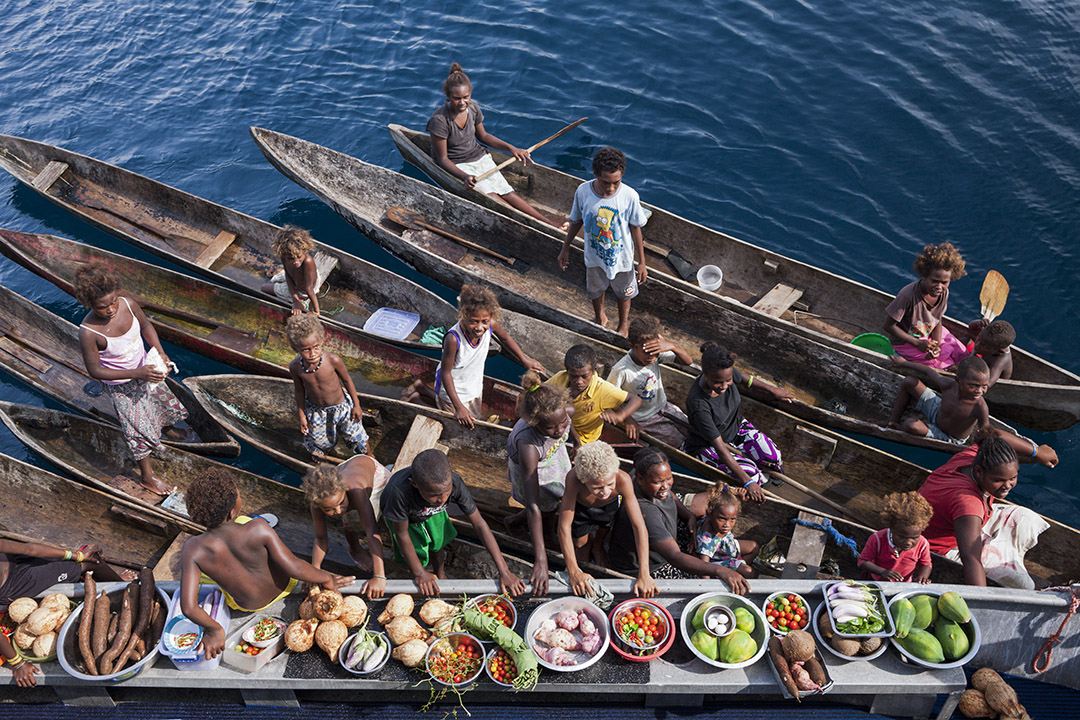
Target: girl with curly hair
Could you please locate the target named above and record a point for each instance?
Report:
(913, 318)
(900, 553)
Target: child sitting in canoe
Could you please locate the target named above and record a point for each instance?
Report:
(537, 464)
(111, 337)
(596, 401)
(298, 280)
(715, 539)
(326, 401)
(717, 425)
(992, 343)
(662, 511)
(459, 378)
(638, 373)
(595, 488)
(455, 129)
(350, 491)
(913, 318)
(243, 556)
(415, 504)
(612, 217)
(899, 552)
(960, 409)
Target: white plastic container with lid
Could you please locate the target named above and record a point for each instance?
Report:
(710, 277)
(213, 601)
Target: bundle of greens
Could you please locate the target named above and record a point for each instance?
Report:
(855, 608)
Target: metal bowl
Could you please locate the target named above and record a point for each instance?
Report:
(822, 642)
(628, 607)
(502, 601)
(343, 652)
(553, 608)
(487, 669)
(760, 633)
(971, 628)
(450, 643)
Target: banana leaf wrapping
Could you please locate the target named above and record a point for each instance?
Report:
(528, 670)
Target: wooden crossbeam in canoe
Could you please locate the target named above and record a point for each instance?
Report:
(213, 250)
(777, 301)
(807, 549)
(48, 176)
(423, 435)
(27, 356)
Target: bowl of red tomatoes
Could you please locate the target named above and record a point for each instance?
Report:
(641, 630)
(786, 612)
(499, 607)
(455, 660)
(501, 668)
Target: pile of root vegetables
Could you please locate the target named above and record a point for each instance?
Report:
(38, 625)
(110, 641)
(991, 697)
(796, 662)
(325, 619)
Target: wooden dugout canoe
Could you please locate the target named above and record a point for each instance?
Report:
(831, 388)
(42, 349)
(227, 246)
(231, 327)
(37, 506)
(813, 302)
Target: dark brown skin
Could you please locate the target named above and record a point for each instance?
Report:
(99, 635)
(123, 631)
(326, 385)
(86, 621)
(776, 654)
(157, 624)
(300, 277)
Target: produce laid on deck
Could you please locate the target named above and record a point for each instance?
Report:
(935, 630)
(738, 646)
(35, 626)
(991, 697)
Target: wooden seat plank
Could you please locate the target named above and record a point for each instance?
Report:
(26, 356)
(423, 435)
(48, 176)
(778, 300)
(209, 254)
(807, 549)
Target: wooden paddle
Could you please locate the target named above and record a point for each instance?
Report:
(994, 293)
(532, 149)
(416, 221)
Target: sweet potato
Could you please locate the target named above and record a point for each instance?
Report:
(817, 672)
(100, 632)
(123, 631)
(87, 621)
(776, 654)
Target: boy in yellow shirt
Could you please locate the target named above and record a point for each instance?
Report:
(595, 400)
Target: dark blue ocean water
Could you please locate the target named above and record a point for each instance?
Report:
(843, 134)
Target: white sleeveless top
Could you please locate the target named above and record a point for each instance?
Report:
(123, 352)
(468, 370)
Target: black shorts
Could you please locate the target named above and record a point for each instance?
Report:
(589, 520)
(28, 576)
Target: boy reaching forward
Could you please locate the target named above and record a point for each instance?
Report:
(414, 504)
(612, 217)
(248, 561)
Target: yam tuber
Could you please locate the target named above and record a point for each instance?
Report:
(973, 705)
(20, 609)
(99, 633)
(123, 631)
(146, 603)
(402, 629)
(411, 653)
(86, 622)
(776, 654)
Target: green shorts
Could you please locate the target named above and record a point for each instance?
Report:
(428, 537)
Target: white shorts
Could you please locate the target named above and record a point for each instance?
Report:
(493, 184)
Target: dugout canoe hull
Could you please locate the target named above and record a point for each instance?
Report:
(861, 392)
(178, 226)
(832, 309)
(42, 349)
(231, 327)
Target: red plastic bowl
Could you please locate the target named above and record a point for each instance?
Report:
(642, 658)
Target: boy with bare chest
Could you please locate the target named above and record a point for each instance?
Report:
(326, 401)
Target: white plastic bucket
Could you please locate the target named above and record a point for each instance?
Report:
(710, 277)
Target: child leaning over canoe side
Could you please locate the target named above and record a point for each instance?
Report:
(596, 401)
(537, 462)
(960, 409)
(899, 552)
(326, 401)
(455, 129)
(243, 556)
(715, 539)
(111, 337)
(913, 318)
(415, 503)
(350, 491)
(298, 280)
(992, 343)
(716, 422)
(638, 372)
(594, 489)
(612, 216)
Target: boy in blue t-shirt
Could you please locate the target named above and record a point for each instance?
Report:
(612, 215)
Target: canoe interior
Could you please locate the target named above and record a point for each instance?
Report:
(831, 307)
(230, 327)
(178, 226)
(97, 454)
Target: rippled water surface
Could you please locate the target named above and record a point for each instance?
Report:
(843, 134)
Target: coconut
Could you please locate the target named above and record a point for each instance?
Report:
(44, 645)
(330, 635)
(411, 653)
(845, 646)
(973, 705)
(869, 645)
(397, 606)
(798, 646)
(300, 635)
(19, 610)
(43, 620)
(307, 609)
(56, 600)
(328, 605)
(353, 611)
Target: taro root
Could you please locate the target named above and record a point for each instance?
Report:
(353, 611)
(330, 635)
(44, 645)
(435, 610)
(23, 638)
(869, 645)
(43, 620)
(402, 629)
(825, 626)
(19, 610)
(983, 677)
(798, 646)
(398, 606)
(411, 653)
(328, 605)
(973, 705)
(300, 635)
(844, 646)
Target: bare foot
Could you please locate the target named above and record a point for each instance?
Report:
(154, 485)
(623, 330)
(412, 393)
(601, 320)
(127, 575)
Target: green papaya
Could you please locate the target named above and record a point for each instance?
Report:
(698, 620)
(953, 607)
(923, 645)
(737, 647)
(925, 612)
(744, 620)
(954, 641)
(706, 643)
(903, 615)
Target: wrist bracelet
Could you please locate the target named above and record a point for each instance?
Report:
(15, 661)
(378, 576)
(1034, 448)
(750, 483)
(79, 557)
(67, 554)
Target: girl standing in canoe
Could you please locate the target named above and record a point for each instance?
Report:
(112, 336)
(457, 129)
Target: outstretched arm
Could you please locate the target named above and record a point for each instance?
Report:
(510, 344)
(509, 583)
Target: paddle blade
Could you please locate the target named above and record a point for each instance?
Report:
(405, 218)
(994, 293)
